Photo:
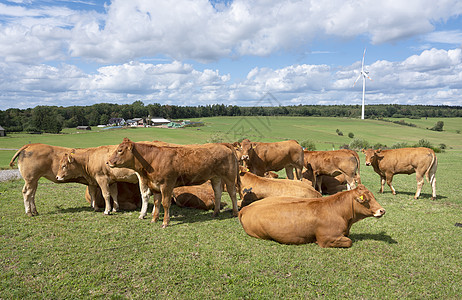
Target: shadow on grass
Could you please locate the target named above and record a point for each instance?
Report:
(422, 195)
(378, 237)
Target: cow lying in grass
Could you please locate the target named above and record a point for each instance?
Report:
(254, 187)
(325, 221)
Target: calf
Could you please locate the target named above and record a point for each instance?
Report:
(333, 163)
(161, 169)
(329, 185)
(325, 221)
(387, 163)
(263, 157)
(36, 161)
(254, 187)
(90, 163)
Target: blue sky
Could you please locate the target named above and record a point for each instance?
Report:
(203, 52)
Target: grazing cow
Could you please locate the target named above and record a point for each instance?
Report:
(325, 221)
(329, 185)
(254, 188)
(387, 163)
(36, 161)
(161, 169)
(128, 196)
(195, 196)
(90, 163)
(333, 163)
(263, 157)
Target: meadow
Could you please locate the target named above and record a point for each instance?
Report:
(69, 251)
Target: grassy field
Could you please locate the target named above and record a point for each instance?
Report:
(69, 251)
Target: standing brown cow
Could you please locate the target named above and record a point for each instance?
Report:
(263, 157)
(36, 161)
(325, 221)
(161, 169)
(333, 163)
(387, 163)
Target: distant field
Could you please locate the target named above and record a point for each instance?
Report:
(69, 251)
(320, 130)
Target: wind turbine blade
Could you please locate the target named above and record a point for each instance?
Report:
(364, 54)
(357, 79)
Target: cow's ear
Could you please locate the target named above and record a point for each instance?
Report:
(378, 150)
(126, 140)
(363, 151)
(362, 198)
(70, 157)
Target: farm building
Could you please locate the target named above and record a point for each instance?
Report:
(159, 121)
(116, 122)
(2, 131)
(83, 128)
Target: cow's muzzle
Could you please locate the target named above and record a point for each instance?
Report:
(379, 213)
(368, 163)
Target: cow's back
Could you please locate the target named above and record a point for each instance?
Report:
(405, 160)
(296, 223)
(40, 160)
(279, 154)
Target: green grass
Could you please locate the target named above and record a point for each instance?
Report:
(69, 251)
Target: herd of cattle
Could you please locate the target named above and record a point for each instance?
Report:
(288, 211)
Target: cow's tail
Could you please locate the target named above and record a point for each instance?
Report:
(432, 168)
(17, 154)
(358, 163)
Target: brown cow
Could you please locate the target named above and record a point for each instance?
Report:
(128, 196)
(263, 157)
(325, 221)
(36, 161)
(333, 163)
(161, 169)
(387, 163)
(254, 188)
(329, 185)
(195, 196)
(90, 163)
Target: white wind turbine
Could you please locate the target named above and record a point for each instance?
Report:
(364, 74)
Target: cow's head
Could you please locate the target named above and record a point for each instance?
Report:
(123, 155)
(67, 166)
(365, 204)
(371, 155)
(247, 147)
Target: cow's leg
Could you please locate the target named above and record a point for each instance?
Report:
(433, 184)
(156, 208)
(145, 194)
(318, 183)
(166, 191)
(105, 191)
(298, 172)
(115, 196)
(389, 178)
(340, 242)
(350, 182)
(382, 183)
(420, 182)
(217, 190)
(93, 191)
(28, 193)
(231, 188)
(290, 172)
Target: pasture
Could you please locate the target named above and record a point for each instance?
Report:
(69, 251)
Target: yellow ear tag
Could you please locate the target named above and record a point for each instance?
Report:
(361, 197)
(248, 170)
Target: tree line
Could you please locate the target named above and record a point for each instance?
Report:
(53, 118)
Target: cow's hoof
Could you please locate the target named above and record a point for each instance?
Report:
(29, 214)
(35, 213)
(141, 217)
(164, 225)
(107, 213)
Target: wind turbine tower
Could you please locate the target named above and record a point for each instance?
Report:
(364, 74)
